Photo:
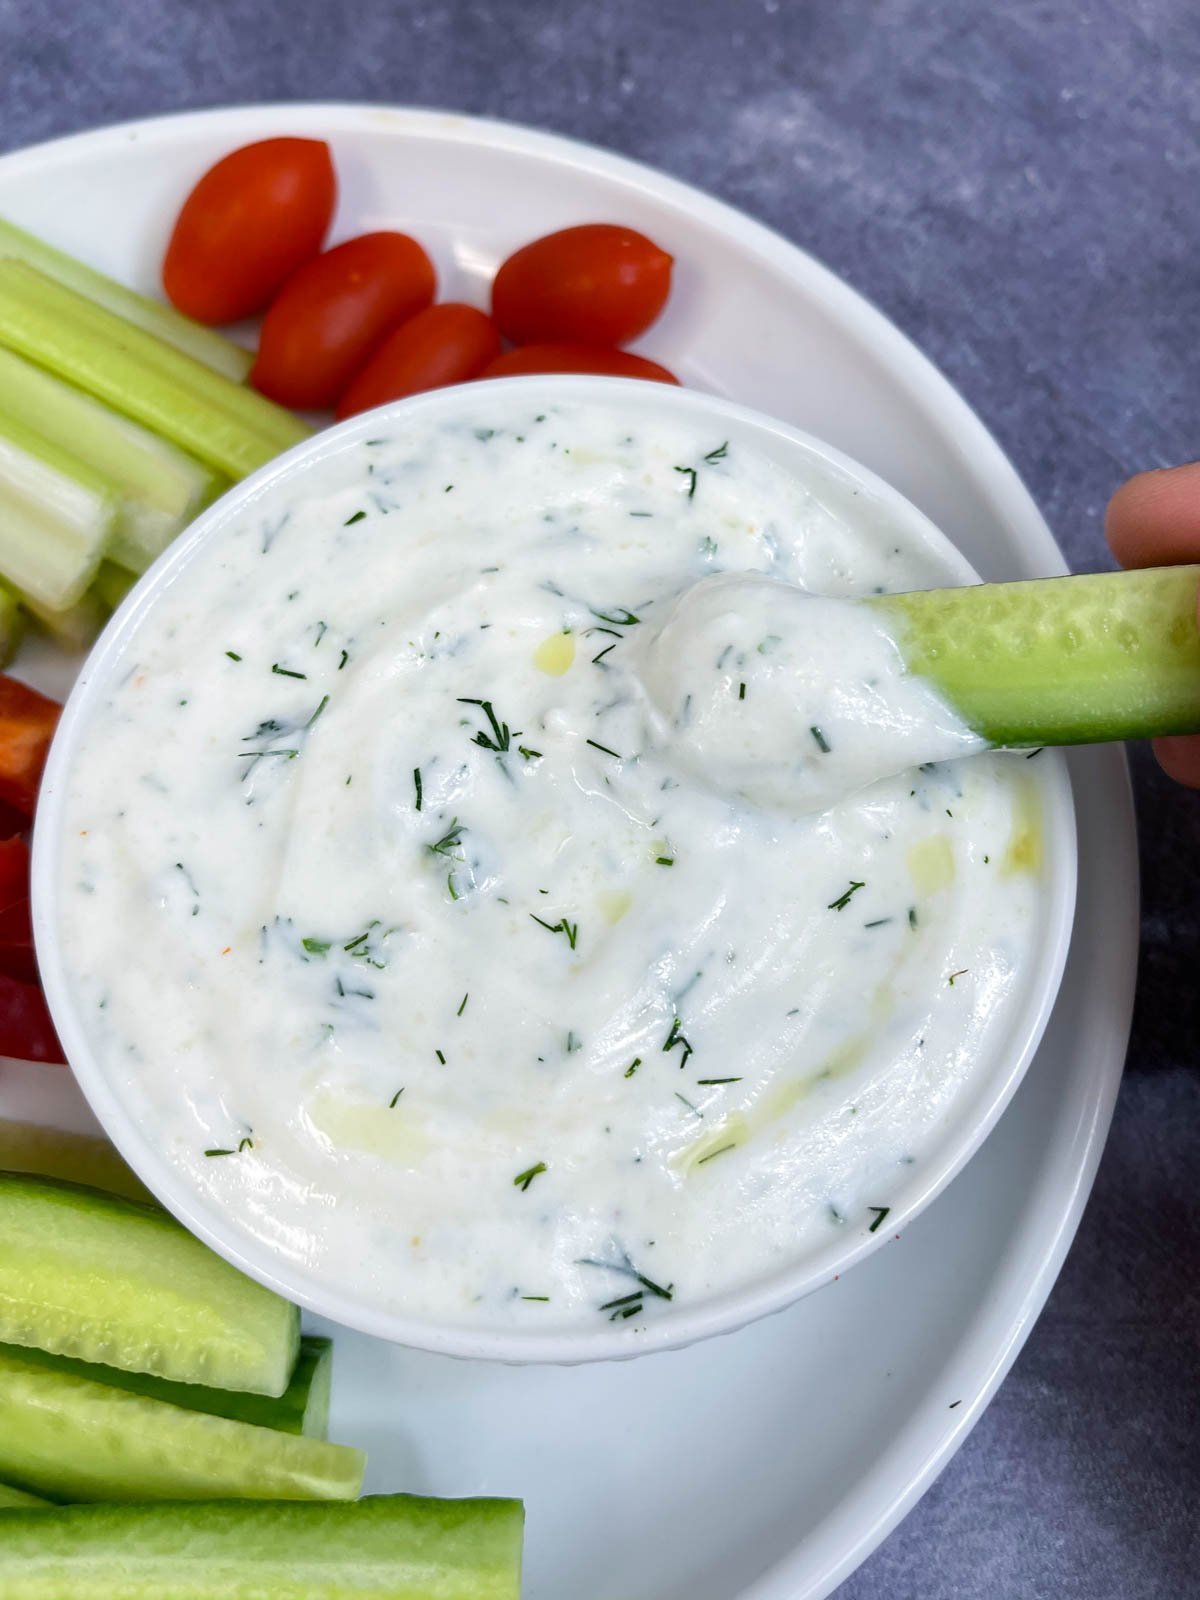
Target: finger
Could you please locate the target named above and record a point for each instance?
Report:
(1154, 519)
(1180, 759)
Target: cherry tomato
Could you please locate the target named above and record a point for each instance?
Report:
(26, 1030)
(596, 284)
(14, 872)
(447, 344)
(575, 358)
(332, 314)
(255, 217)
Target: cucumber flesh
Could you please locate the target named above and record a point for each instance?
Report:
(17, 1500)
(12, 624)
(205, 344)
(29, 1147)
(1112, 655)
(386, 1547)
(104, 1279)
(302, 1408)
(72, 1439)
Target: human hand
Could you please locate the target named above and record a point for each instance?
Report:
(1154, 521)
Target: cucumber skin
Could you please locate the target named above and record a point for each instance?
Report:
(17, 1500)
(1113, 655)
(385, 1547)
(302, 1409)
(100, 1278)
(71, 1439)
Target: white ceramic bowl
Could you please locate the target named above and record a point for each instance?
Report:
(972, 1117)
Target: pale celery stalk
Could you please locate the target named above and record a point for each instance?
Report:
(70, 1438)
(56, 517)
(161, 487)
(1113, 655)
(80, 625)
(12, 621)
(227, 426)
(386, 1547)
(206, 345)
(112, 584)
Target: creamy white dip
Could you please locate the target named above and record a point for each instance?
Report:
(418, 937)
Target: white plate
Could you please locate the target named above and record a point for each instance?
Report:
(768, 1464)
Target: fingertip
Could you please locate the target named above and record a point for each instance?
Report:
(1154, 518)
(1180, 759)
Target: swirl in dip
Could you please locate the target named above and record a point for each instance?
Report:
(446, 940)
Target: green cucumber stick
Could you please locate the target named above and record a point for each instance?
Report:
(30, 1147)
(12, 624)
(17, 1500)
(205, 344)
(56, 517)
(1113, 655)
(161, 488)
(100, 1278)
(69, 1438)
(386, 1547)
(302, 1408)
(227, 426)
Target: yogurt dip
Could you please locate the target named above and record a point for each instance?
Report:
(435, 939)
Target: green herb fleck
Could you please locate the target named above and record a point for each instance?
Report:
(357, 517)
(233, 655)
(524, 1179)
(690, 474)
(317, 947)
(500, 737)
(570, 929)
(395, 1100)
(741, 691)
(707, 1082)
(843, 900)
(713, 1154)
(600, 657)
(912, 916)
(596, 746)
(441, 1057)
(633, 1066)
(286, 672)
(530, 755)
(417, 785)
(675, 1037)
(317, 712)
(880, 1213)
(822, 741)
(621, 618)
(961, 973)
(664, 861)
(463, 1005)
(718, 454)
(451, 841)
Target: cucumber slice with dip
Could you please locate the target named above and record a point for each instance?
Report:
(793, 701)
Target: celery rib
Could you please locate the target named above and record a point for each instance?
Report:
(193, 338)
(56, 517)
(229, 427)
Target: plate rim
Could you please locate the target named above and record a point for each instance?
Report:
(996, 476)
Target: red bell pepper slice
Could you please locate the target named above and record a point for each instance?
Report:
(27, 722)
(26, 1030)
(16, 943)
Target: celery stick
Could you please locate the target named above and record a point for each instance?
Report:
(79, 626)
(78, 1157)
(231, 428)
(302, 1408)
(17, 1500)
(161, 488)
(12, 623)
(213, 349)
(56, 516)
(100, 1278)
(112, 584)
(72, 1439)
(386, 1547)
(1113, 655)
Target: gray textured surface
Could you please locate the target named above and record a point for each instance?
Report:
(1017, 186)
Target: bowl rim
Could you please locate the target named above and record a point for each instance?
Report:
(722, 1313)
